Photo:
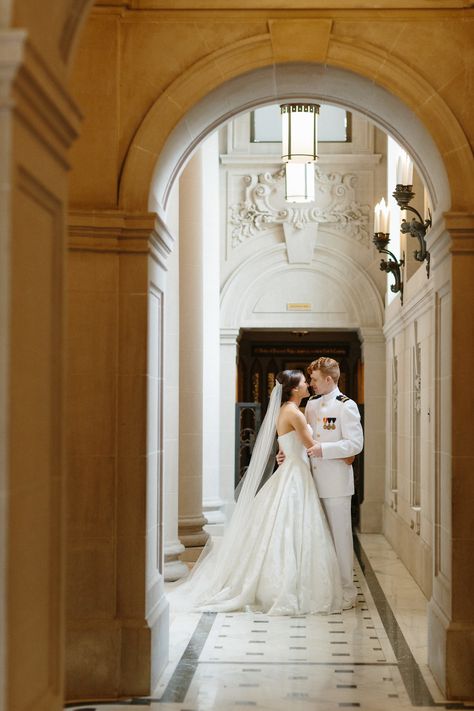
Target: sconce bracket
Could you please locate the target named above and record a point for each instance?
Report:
(416, 227)
(392, 265)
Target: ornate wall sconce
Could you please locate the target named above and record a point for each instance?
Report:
(381, 241)
(404, 195)
(416, 227)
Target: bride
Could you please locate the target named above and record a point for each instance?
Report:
(277, 554)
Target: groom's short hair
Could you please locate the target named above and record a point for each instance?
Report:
(327, 366)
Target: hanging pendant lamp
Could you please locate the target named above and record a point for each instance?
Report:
(299, 123)
(299, 182)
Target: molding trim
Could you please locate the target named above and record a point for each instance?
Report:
(113, 231)
(371, 334)
(460, 226)
(36, 96)
(359, 160)
(228, 336)
(12, 43)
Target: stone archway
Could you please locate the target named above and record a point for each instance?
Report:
(257, 71)
(200, 100)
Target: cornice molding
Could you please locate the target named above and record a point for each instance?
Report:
(36, 96)
(114, 231)
(371, 334)
(12, 44)
(228, 336)
(460, 226)
(215, 10)
(360, 160)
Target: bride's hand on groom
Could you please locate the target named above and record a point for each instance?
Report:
(349, 460)
(315, 451)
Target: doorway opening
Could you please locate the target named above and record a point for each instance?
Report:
(262, 353)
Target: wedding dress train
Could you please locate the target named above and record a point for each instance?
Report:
(281, 562)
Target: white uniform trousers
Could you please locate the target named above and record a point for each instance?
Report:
(338, 514)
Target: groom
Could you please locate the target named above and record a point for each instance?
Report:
(335, 421)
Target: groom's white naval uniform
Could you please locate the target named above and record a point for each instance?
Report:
(335, 421)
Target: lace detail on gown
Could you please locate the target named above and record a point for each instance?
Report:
(284, 563)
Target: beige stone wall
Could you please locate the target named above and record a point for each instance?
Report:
(214, 46)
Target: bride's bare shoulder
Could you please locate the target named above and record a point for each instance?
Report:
(289, 418)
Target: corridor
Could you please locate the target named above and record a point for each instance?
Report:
(372, 657)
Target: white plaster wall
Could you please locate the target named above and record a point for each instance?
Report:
(269, 263)
(411, 531)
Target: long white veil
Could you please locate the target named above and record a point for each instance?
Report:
(209, 575)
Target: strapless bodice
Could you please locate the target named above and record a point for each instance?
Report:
(292, 446)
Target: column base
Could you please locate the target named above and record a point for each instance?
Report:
(371, 517)
(215, 517)
(174, 568)
(107, 659)
(191, 533)
(451, 654)
(159, 623)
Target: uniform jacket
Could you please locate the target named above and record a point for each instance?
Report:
(335, 421)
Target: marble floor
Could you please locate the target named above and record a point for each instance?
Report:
(372, 657)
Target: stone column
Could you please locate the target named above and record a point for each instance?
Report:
(174, 568)
(373, 355)
(228, 398)
(191, 317)
(212, 502)
(38, 123)
(451, 608)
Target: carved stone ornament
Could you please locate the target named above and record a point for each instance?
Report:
(264, 206)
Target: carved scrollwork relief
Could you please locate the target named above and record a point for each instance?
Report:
(264, 206)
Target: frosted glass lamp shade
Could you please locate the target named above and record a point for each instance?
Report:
(299, 124)
(299, 182)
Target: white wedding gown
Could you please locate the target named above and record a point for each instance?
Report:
(283, 563)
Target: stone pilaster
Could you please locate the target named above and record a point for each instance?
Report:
(116, 604)
(212, 501)
(38, 123)
(451, 609)
(191, 317)
(228, 381)
(174, 568)
(373, 355)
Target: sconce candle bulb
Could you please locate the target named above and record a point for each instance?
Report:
(382, 217)
(404, 170)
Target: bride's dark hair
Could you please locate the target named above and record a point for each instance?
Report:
(288, 379)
